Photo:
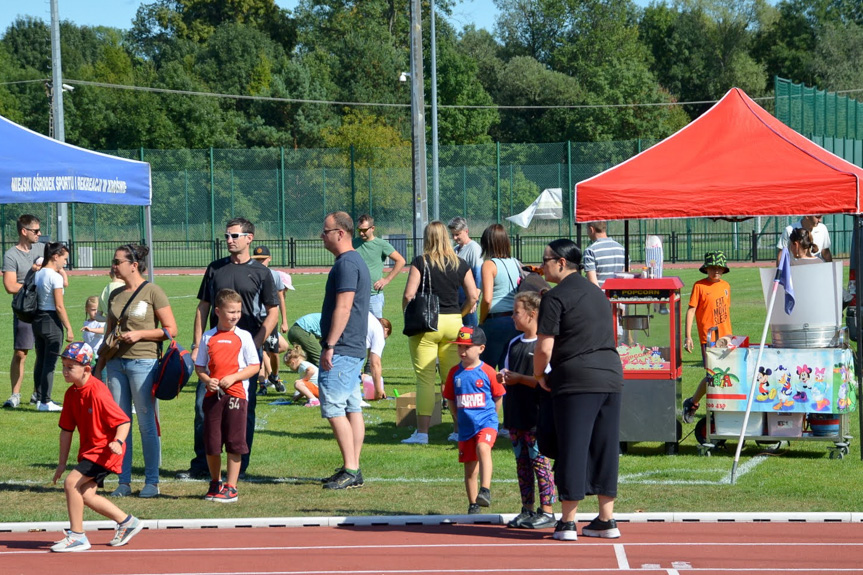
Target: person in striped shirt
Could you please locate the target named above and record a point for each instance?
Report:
(604, 257)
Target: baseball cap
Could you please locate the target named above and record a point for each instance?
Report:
(261, 252)
(79, 352)
(470, 336)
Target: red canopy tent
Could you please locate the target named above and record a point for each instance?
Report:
(736, 159)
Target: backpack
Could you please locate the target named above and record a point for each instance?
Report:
(25, 302)
(531, 280)
(175, 369)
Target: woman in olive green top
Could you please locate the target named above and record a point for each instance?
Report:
(132, 369)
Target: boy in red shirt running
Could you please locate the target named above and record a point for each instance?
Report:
(474, 397)
(227, 358)
(103, 428)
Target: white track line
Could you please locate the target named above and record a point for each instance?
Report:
(620, 555)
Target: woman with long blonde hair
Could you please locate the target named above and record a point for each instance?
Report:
(445, 273)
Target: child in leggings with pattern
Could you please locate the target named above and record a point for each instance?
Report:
(521, 412)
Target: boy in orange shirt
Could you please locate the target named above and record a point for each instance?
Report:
(227, 358)
(710, 306)
(102, 428)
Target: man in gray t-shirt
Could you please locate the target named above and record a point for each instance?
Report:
(471, 253)
(17, 261)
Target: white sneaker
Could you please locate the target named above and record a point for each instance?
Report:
(48, 406)
(504, 433)
(364, 403)
(417, 438)
(13, 401)
(71, 543)
(453, 436)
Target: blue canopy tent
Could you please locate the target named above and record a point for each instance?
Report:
(38, 169)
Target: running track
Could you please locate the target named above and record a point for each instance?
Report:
(670, 548)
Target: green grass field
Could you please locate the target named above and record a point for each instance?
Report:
(294, 446)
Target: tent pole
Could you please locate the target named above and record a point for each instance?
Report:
(857, 239)
(148, 231)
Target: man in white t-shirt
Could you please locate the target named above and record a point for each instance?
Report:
(820, 237)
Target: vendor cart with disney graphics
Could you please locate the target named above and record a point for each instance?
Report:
(646, 317)
(804, 387)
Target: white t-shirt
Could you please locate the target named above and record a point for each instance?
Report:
(375, 340)
(94, 340)
(304, 367)
(47, 280)
(820, 237)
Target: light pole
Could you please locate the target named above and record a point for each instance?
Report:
(435, 175)
(418, 129)
(57, 106)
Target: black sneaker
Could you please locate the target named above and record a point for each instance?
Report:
(333, 476)
(519, 520)
(359, 482)
(280, 387)
(483, 498)
(344, 480)
(565, 531)
(540, 520)
(192, 474)
(605, 529)
(473, 509)
(262, 390)
(689, 409)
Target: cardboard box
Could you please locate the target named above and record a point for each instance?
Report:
(730, 423)
(406, 410)
(785, 424)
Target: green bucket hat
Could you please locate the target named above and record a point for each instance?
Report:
(717, 259)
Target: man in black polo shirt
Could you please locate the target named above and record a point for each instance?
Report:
(254, 282)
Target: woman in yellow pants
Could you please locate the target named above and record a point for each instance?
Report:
(444, 274)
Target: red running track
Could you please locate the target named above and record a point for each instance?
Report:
(672, 548)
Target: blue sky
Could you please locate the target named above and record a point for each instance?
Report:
(119, 13)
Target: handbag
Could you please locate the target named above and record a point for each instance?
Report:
(421, 313)
(111, 343)
(175, 369)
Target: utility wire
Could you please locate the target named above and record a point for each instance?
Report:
(385, 104)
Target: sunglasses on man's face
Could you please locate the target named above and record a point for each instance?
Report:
(32, 231)
(235, 236)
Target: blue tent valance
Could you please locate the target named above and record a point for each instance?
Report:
(38, 169)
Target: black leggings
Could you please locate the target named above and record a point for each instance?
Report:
(48, 332)
(588, 430)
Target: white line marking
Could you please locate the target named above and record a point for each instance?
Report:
(672, 572)
(620, 554)
(745, 468)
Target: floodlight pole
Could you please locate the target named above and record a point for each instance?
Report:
(435, 174)
(57, 106)
(418, 129)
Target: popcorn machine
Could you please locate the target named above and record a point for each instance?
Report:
(646, 316)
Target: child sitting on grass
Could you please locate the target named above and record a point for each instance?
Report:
(227, 358)
(103, 428)
(521, 413)
(474, 397)
(307, 385)
(709, 305)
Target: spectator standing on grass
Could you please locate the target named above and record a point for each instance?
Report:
(227, 358)
(306, 333)
(260, 314)
(586, 384)
(521, 414)
(820, 237)
(470, 252)
(49, 322)
(709, 306)
(93, 331)
(604, 257)
(103, 429)
(501, 274)
(275, 343)
(141, 311)
(17, 261)
(344, 326)
(445, 273)
(106, 293)
(375, 252)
